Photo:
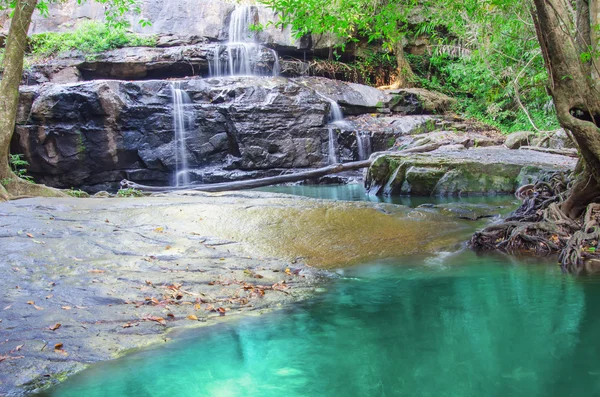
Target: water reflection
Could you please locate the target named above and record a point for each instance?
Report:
(461, 326)
(356, 192)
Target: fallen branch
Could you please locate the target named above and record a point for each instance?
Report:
(254, 183)
(562, 152)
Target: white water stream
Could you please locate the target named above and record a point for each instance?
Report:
(182, 120)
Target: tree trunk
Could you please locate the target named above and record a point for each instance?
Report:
(565, 39)
(405, 76)
(254, 183)
(16, 42)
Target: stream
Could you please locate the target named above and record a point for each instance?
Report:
(449, 324)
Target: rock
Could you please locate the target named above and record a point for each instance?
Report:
(137, 63)
(557, 139)
(91, 135)
(492, 170)
(517, 139)
(353, 98)
(419, 101)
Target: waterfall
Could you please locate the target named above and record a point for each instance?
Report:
(241, 49)
(388, 188)
(336, 118)
(182, 120)
(363, 143)
(331, 146)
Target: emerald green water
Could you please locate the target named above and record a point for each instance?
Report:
(453, 325)
(447, 325)
(356, 192)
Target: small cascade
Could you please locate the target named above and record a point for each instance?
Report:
(332, 146)
(183, 117)
(389, 186)
(336, 119)
(363, 143)
(241, 50)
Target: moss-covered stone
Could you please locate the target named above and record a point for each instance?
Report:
(475, 171)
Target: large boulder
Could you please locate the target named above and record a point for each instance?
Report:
(518, 139)
(94, 134)
(492, 170)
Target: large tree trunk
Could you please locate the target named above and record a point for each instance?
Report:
(404, 74)
(16, 43)
(11, 186)
(565, 39)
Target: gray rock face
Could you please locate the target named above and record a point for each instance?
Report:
(93, 134)
(176, 22)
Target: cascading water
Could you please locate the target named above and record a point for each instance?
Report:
(335, 117)
(241, 51)
(182, 120)
(363, 143)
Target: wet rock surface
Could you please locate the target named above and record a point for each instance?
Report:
(88, 279)
(91, 135)
(488, 170)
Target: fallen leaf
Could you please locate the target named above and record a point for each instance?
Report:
(66, 307)
(128, 325)
(159, 320)
(38, 307)
(58, 348)
(54, 327)
(221, 311)
(49, 296)
(192, 317)
(29, 235)
(96, 271)
(148, 282)
(168, 247)
(171, 315)
(159, 229)
(30, 302)
(197, 306)
(18, 348)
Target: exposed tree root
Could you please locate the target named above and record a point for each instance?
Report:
(4, 196)
(540, 227)
(15, 188)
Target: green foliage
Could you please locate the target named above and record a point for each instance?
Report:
(373, 68)
(346, 20)
(490, 60)
(19, 167)
(89, 38)
(483, 52)
(130, 192)
(76, 193)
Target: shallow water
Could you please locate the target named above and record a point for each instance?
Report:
(356, 192)
(444, 325)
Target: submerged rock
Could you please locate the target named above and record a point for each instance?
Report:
(491, 170)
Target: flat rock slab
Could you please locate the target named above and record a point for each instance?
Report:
(490, 170)
(96, 277)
